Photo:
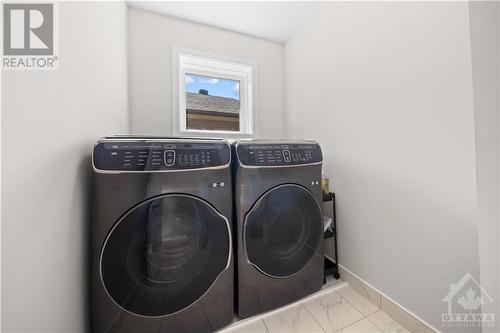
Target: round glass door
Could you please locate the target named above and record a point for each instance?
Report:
(164, 254)
(282, 230)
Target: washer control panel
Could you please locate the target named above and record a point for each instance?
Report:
(278, 154)
(157, 155)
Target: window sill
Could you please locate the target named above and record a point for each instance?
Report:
(214, 134)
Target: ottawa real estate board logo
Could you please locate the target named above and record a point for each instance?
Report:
(30, 36)
(467, 302)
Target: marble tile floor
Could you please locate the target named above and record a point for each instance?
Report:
(335, 308)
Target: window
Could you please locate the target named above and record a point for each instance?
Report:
(212, 103)
(212, 95)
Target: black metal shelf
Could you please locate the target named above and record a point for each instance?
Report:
(331, 267)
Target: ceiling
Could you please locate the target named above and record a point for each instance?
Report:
(273, 20)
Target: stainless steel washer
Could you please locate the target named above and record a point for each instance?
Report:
(161, 249)
(279, 223)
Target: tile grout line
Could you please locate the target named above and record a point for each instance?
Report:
(363, 316)
(323, 293)
(265, 325)
(314, 318)
(357, 321)
(397, 321)
(320, 293)
(355, 308)
(379, 308)
(368, 317)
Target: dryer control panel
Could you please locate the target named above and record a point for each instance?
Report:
(159, 155)
(278, 154)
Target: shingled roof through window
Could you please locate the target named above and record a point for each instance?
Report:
(204, 102)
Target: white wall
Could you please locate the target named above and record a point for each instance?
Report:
(485, 44)
(387, 90)
(151, 37)
(49, 122)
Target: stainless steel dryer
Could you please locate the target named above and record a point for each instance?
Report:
(161, 249)
(279, 223)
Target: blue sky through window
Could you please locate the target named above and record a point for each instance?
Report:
(215, 86)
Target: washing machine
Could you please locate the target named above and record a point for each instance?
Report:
(161, 243)
(279, 223)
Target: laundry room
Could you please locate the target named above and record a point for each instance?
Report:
(250, 166)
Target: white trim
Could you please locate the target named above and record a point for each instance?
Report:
(185, 61)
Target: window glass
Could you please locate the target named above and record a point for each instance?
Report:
(212, 103)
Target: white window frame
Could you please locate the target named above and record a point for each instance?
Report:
(186, 61)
